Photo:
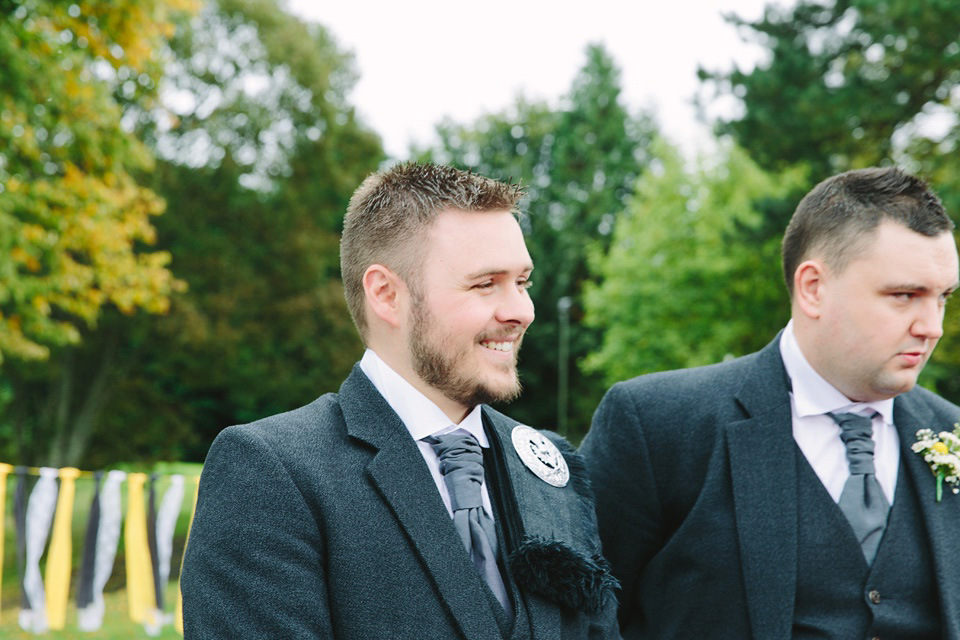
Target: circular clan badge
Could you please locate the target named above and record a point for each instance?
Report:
(540, 455)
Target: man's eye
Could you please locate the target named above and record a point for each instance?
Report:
(483, 285)
(525, 284)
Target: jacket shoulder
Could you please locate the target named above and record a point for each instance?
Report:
(943, 408)
(281, 426)
(679, 383)
(698, 395)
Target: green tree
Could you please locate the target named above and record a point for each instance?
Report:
(679, 285)
(259, 152)
(74, 221)
(579, 163)
(849, 83)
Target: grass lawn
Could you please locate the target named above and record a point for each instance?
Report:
(116, 622)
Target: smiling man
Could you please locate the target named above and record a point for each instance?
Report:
(776, 496)
(404, 506)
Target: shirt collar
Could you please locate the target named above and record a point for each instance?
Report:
(812, 394)
(417, 412)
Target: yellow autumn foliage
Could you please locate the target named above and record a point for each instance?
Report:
(75, 226)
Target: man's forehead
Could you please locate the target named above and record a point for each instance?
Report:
(902, 256)
(887, 243)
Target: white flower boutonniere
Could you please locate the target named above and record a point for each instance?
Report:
(942, 452)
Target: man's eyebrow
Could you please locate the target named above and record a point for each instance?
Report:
(912, 286)
(485, 273)
(906, 286)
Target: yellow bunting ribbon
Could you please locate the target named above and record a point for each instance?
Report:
(57, 576)
(178, 615)
(5, 470)
(141, 596)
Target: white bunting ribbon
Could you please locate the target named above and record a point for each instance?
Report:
(90, 618)
(40, 509)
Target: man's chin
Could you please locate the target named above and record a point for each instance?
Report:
(502, 393)
(895, 387)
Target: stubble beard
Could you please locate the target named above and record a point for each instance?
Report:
(444, 371)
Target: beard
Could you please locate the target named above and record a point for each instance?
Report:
(438, 363)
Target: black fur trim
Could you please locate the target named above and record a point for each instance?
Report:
(555, 571)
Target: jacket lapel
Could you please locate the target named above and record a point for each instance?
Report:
(942, 519)
(764, 477)
(402, 478)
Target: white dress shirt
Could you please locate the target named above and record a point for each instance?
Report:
(818, 436)
(423, 418)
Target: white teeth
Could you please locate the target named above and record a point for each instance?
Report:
(498, 346)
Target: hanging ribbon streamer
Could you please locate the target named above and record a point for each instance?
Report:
(152, 626)
(178, 614)
(40, 508)
(20, 526)
(89, 559)
(148, 533)
(60, 555)
(166, 524)
(140, 596)
(5, 470)
(107, 536)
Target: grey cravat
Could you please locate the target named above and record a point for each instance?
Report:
(461, 464)
(862, 500)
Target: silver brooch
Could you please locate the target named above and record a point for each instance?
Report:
(540, 455)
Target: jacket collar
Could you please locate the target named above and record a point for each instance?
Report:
(764, 477)
(401, 477)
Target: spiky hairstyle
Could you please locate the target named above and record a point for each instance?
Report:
(836, 220)
(392, 210)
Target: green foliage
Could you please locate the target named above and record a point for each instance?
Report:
(579, 163)
(682, 285)
(849, 83)
(73, 220)
(259, 153)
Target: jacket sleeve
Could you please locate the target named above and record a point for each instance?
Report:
(254, 562)
(628, 509)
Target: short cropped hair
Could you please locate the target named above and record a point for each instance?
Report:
(836, 219)
(390, 213)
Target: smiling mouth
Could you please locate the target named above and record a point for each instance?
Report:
(498, 346)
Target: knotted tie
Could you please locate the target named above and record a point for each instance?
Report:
(461, 464)
(862, 500)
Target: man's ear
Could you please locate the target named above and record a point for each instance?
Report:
(808, 283)
(386, 294)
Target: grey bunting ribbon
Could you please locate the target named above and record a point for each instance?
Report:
(461, 464)
(862, 500)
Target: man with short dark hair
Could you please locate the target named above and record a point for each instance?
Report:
(777, 496)
(403, 506)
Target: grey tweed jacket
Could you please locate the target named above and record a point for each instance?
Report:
(695, 475)
(324, 522)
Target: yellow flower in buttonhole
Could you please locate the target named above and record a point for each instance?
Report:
(942, 452)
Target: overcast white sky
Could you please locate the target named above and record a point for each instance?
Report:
(422, 60)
